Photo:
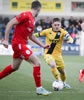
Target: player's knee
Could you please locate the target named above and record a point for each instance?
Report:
(15, 67)
(37, 63)
(52, 65)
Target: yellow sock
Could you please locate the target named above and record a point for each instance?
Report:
(55, 73)
(63, 77)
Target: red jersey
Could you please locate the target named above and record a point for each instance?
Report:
(24, 28)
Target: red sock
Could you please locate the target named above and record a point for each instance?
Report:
(82, 71)
(8, 70)
(37, 75)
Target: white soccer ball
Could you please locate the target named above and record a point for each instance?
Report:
(57, 85)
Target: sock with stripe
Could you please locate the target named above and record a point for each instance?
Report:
(37, 76)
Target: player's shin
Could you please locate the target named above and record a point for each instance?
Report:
(63, 77)
(37, 76)
(55, 73)
(8, 70)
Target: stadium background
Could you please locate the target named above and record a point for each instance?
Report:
(69, 11)
(20, 85)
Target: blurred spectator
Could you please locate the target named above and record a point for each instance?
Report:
(66, 24)
(70, 29)
(3, 29)
(62, 22)
(71, 21)
(1, 20)
(39, 28)
(6, 20)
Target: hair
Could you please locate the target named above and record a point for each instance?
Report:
(35, 4)
(55, 20)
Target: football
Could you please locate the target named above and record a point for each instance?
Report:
(57, 85)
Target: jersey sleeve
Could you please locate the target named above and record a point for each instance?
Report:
(65, 33)
(43, 33)
(22, 17)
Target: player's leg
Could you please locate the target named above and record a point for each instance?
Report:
(51, 62)
(60, 67)
(62, 74)
(36, 69)
(33, 59)
(81, 75)
(16, 63)
(27, 54)
(63, 77)
(11, 68)
(54, 70)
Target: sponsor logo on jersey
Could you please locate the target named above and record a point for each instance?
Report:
(54, 40)
(27, 52)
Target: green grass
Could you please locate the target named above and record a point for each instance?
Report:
(20, 85)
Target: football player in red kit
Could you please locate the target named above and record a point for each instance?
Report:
(24, 27)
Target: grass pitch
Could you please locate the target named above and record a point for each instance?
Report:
(20, 84)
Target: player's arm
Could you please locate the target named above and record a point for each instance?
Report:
(68, 38)
(17, 20)
(82, 26)
(39, 34)
(35, 40)
(7, 31)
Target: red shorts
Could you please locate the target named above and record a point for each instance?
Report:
(21, 51)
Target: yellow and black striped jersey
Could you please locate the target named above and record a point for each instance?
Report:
(54, 39)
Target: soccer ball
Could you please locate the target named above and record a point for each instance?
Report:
(57, 85)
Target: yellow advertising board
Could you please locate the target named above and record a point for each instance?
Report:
(47, 5)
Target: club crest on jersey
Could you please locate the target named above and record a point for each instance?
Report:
(58, 33)
(27, 52)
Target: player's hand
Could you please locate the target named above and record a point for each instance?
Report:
(69, 42)
(5, 43)
(46, 46)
